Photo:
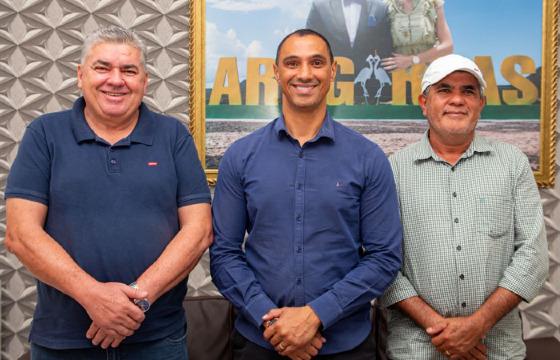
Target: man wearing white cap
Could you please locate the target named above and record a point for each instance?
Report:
(474, 241)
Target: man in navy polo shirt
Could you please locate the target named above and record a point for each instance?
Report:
(108, 206)
(319, 204)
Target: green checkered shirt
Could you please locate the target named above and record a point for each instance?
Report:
(468, 229)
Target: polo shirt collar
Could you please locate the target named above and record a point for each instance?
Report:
(424, 150)
(326, 130)
(80, 128)
(142, 133)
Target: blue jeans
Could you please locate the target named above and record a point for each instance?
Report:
(173, 347)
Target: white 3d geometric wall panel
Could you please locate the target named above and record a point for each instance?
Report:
(39, 48)
(40, 44)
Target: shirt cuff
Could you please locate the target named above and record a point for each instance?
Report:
(255, 310)
(527, 290)
(401, 289)
(194, 199)
(327, 309)
(528, 270)
(27, 195)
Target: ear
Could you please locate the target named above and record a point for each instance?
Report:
(146, 80)
(80, 75)
(422, 100)
(333, 70)
(275, 68)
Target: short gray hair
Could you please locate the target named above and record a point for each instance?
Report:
(113, 34)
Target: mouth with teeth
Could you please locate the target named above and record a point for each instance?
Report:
(304, 89)
(113, 94)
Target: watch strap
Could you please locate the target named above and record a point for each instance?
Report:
(143, 304)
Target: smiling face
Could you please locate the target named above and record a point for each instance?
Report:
(452, 107)
(304, 72)
(113, 81)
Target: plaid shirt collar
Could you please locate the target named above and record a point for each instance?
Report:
(424, 150)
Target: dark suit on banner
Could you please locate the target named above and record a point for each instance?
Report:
(373, 33)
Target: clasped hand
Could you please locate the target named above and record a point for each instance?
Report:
(294, 332)
(114, 316)
(459, 338)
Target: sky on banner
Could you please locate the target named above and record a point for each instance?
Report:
(253, 28)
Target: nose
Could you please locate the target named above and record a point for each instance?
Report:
(457, 98)
(115, 77)
(305, 72)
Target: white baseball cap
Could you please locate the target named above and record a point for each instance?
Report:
(445, 65)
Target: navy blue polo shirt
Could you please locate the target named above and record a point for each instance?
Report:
(113, 208)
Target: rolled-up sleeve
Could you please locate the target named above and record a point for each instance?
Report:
(528, 269)
(401, 288)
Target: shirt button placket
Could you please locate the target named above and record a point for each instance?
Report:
(458, 235)
(298, 226)
(454, 205)
(463, 290)
(113, 163)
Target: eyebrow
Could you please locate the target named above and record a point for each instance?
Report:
(463, 87)
(443, 86)
(313, 57)
(290, 58)
(108, 64)
(468, 87)
(101, 62)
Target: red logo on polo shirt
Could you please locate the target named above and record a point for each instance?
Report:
(152, 163)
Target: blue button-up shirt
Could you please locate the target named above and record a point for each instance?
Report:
(323, 229)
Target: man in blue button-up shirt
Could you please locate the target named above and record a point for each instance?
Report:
(319, 205)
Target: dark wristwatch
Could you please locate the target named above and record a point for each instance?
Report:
(143, 304)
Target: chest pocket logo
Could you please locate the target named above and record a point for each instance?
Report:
(346, 189)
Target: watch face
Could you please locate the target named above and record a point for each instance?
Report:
(143, 304)
(415, 60)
